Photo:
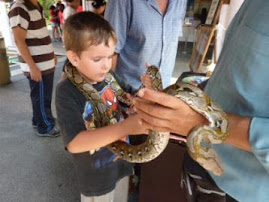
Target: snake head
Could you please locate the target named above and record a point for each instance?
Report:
(155, 76)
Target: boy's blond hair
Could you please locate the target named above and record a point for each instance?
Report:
(85, 29)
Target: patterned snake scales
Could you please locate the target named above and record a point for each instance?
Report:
(198, 139)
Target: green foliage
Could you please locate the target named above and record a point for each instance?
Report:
(46, 4)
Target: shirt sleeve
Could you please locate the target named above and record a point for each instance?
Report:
(69, 112)
(118, 15)
(259, 128)
(19, 17)
(259, 140)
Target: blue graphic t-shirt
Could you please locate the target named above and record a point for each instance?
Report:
(98, 171)
(111, 105)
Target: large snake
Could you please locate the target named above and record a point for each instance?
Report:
(198, 139)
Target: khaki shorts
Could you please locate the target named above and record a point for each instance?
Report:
(119, 194)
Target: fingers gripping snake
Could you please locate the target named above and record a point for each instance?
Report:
(198, 139)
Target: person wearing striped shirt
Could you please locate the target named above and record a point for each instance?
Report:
(37, 59)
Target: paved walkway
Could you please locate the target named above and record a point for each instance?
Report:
(34, 169)
(31, 168)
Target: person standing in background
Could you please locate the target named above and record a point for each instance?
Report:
(71, 8)
(99, 7)
(61, 15)
(80, 7)
(54, 23)
(148, 31)
(37, 61)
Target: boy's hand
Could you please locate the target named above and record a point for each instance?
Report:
(130, 111)
(133, 125)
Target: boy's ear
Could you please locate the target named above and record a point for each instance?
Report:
(72, 57)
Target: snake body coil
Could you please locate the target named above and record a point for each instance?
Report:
(215, 133)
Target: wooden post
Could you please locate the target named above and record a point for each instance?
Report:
(4, 67)
(203, 39)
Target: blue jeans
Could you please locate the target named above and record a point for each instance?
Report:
(41, 93)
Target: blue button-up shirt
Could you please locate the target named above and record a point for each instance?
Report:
(145, 35)
(239, 85)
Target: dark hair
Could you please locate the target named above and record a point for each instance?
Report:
(98, 3)
(85, 29)
(59, 4)
(61, 7)
(52, 7)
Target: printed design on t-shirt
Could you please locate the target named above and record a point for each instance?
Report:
(88, 116)
(110, 100)
(112, 107)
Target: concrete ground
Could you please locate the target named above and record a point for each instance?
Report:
(33, 168)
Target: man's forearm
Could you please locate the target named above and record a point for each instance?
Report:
(239, 132)
(167, 113)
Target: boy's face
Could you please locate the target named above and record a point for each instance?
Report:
(95, 62)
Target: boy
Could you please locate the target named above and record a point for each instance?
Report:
(90, 42)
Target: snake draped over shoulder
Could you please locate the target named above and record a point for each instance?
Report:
(198, 139)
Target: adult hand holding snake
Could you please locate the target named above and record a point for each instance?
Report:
(163, 112)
